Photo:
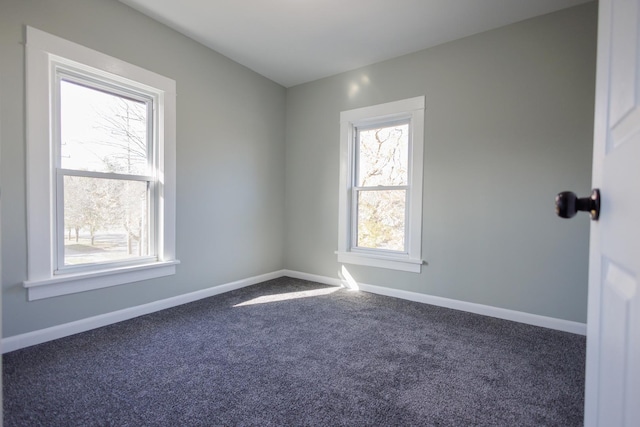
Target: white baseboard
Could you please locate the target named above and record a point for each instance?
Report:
(485, 310)
(17, 342)
(313, 278)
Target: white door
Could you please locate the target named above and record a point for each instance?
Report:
(613, 332)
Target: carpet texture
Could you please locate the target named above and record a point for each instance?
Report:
(289, 352)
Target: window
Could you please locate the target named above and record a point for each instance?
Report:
(380, 200)
(100, 169)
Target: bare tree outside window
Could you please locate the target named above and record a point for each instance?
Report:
(381, 185)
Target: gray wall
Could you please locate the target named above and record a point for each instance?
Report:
(509, 123)
(230, 158)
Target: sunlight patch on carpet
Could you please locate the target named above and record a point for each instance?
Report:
(289, 296)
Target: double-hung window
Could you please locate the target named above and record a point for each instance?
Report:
(100, 169)
(381, 185)
(105, 182)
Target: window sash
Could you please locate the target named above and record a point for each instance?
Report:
(85, 79)
(354, 219)
(60, 235)
(370, 125)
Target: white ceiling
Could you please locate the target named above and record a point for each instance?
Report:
(297, 41)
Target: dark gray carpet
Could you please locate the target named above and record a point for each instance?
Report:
(329, 357)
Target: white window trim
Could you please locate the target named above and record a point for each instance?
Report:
(411, 261)
(43, 51)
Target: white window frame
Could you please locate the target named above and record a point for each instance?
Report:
(48, 56)
(63, 72)
(410, 260)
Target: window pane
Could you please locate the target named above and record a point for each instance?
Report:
(381, 219)
(102, 131)
(104, 220)
(383, 156)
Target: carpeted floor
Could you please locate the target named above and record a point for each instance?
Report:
(293, 353)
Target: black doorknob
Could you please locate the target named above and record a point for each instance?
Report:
(568, 204)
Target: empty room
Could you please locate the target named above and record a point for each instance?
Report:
(312, 212)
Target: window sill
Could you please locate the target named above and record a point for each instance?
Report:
(86, 281)
(371, 260)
